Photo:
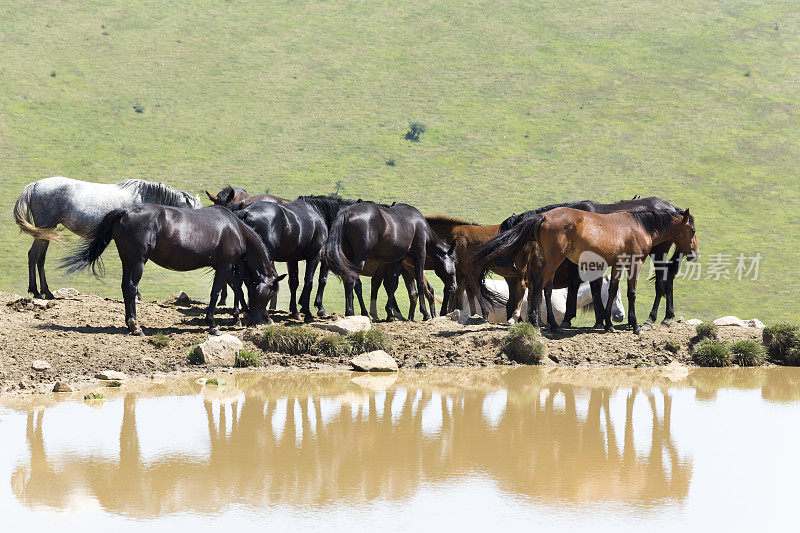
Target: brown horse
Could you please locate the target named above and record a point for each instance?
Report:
(237, 198)
(468, 238)
(622, 240)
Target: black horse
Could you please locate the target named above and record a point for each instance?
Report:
(387, 234)
(295, 232)
(666, 268)
(180, 239)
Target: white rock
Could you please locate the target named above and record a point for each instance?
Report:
(43, 304)
(60, 386)
(474, 320)
(377, 361)
(221, 350)
(694, 322)
(755, 323)
(110, 375)
(66, 292)
(346, 325)
(730, 321)
(40, 366)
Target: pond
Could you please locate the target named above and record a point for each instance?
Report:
(444, 449)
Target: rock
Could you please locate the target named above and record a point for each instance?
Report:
(680, 320)
(730, 321)
(181, 299)
(346, 325)
(60, 386)
(40, 366)
(67, 292)
(42, 304)
(110, 375)
(377, 361)
(546, 361)
(694, 322)
(220, 350)
(755, 323)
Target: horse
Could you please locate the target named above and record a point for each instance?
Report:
(80, 206)
(622, 240)
(387, 234)
(295, 232)
(381, 274)
(666, 268)
(182, 240)
(236, 196)
(558, 298)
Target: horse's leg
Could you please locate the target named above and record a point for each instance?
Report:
(323, 279)
(411, 288)
(131, 275)
(572, 294)
(660, 266)
(431, 296)
(308, 285)
(238, 298)
(294, 282)
(34, 254)
(612, 295)
(223, 296)
(633, 278)
(597, 301)
(471, 297)
(535, 299)
(390, 284)
(349, 286)
(375, 286)
(221, 276)
(551, 319)
(419, 275)
(515, 293)
(458, 297)
(669, 282)
(360, 295)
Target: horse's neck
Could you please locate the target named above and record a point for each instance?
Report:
(257, 259)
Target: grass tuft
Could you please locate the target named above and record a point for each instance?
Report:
(159, 340)
(415, 131)
(705, 330)
(94, 396)
(711, 352)
(284, 339)
(524, 344)
(782, 342)
(369, 341)
(114, 384)
(195, 357)
(672, 346)
(212, 381)
(246, 358)
(747, 353)
(332, 346)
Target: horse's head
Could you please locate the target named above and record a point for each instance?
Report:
(686, 238)
(445, 266)
(228, 196)
(261, 289)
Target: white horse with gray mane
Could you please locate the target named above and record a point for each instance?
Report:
(80, 206)
(559, 301)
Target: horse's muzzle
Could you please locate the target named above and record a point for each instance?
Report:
(693, 256)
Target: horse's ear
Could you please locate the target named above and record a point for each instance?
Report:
(211, 197)
(452, 247)
(280, 277)
(686, 216)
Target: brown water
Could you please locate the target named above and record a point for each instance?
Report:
(442, 449)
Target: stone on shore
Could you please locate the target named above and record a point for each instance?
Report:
(220, 350)
(694, 322)
(346, 325)
(66, 292)
(60, 386)
(110, 375)
(40, 366)
(377, 361)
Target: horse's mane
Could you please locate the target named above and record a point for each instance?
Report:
(653, 222)
(328, 206)
(154, 192)
(452, 221)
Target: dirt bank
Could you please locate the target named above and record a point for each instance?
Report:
(80, 335)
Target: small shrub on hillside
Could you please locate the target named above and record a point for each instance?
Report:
(747, 353)
(195, 357)
(524, 344)
(284, 339)
(369, 341)
(391, 162)
(705, 330)
(415, 130)
(159, 340)
(332, 346)
(782, 341)
(247, 358)
(711, 352)
(139, 108)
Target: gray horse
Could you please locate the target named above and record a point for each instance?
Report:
(80, 206)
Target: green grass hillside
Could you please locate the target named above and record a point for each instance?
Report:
(525, 104)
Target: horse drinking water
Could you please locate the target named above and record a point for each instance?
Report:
(182, 240)
(80, 206)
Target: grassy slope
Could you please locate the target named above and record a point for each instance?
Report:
(524, 106)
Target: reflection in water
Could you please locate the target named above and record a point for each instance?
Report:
(306, 439)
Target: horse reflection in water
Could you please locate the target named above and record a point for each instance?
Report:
(338, 442)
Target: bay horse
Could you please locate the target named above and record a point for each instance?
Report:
(622, 240)
(80, 206)
(182, 240)
(665, 268)
(387, 234)
(294, 232)
(236, 196)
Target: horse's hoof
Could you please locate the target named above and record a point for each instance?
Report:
(647, 326)
(295, 316)
(222, 302)
(47, 295)
(137, 332)
(598, 325)
(610, 329)
(237, 323)
(269, 321)
(425, 318)
(308, 318)
(666, 323)
(637, 330)
(566, 324)
(215, 331)
(555, 329)
(322, 313)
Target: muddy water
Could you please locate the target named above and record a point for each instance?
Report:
(443, 449)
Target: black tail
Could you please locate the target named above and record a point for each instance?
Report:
(93, 246)
(333, 250)
(507, 245)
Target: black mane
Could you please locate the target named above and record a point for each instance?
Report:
(327, 206)
(654, 222)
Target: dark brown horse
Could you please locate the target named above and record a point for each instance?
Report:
(182, 240)
(238, 197)
(621, 240)
(387, 234)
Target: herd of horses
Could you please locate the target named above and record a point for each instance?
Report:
(242, 236)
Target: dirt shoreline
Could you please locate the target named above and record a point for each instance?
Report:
(81, 335)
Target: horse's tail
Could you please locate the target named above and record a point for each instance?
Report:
(22, 216)
(492, 297)
(333, 250)
(93, 246)
(508, 244)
